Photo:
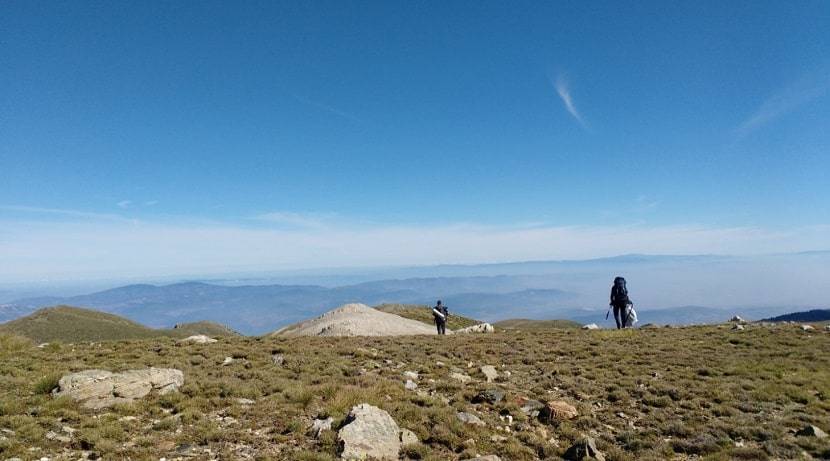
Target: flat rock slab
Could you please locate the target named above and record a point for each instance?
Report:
(557, 410)
(96, 389)
(489, 372)
(469, 418)
(480, 328)
(198, 339)
(370, 433)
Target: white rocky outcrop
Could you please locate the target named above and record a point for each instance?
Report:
(480, 328)
(198, 339)
(357, 320)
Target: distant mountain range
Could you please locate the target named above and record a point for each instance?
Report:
(573, 290)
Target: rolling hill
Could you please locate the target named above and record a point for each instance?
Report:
(73, 324)
(815, 315)
(533, 325)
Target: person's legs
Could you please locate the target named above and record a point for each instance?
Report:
(618, 316)
(443, 328)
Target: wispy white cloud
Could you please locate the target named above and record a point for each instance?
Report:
(783, 102)
(295, 219)
(65, 213)
(564, 92)
(151, 203)
(327, 108)
(34, 249)
(124, 204)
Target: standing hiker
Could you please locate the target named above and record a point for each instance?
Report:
(440, 313)
(619, 302)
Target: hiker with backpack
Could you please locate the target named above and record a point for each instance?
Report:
(624, 313)
(440, 313)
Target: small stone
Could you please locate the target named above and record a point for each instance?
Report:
(812, 431)
(461, 377)
(489, 372)
(439, 364)
(807, 328)
(410, 385)
(558, 410)
(590, 326)
(245, 401)
(277, 359)
(489, 396)
(55, 437)
(738, 327)
(320, 425)
(227, 361)
(469, 418)
(408, 438)
(585, 449)
(498, 438)
(410, 374)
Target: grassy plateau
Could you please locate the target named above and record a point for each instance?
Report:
(671, 393)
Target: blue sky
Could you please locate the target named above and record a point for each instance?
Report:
(168, 136)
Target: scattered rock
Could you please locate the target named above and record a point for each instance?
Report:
(557, 410)
(649, 326)
(410, 385)
(245, 401)
(198, 339)
(469, 418)
(480, 328)
(100, 389)
(737, 319)
(532, 408)
(410, 374)
(489, 396)
(827, 328)
(807, 328)
(369, 433)
(738, 327)
(278, 359)
(440, 364)
(42, 345)
(811, 431)
(464, 379)
(408, 438)
(227, 361)
(489, 372)
(320, 425)
(55, 437)
(590, 326)
(585, 449)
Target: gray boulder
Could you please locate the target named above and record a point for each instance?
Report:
(96, 389)
(320, 425)
(370, 433)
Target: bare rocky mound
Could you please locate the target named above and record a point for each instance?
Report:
(357, 320)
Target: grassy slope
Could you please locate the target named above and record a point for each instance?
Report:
(534, 325)
(685, 393)
(73, 324)
(424, 314)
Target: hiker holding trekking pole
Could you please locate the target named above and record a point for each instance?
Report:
(623, 307)
(440, 313)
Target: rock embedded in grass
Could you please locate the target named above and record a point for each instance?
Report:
(369, 433)
(489, 372)
(198, 339)
(557, 411)
(461, 377)
(97, 389)
(492, 395)
(584, 450)
(812, 431)
(469, 418)
(590, 326)
(320, 425)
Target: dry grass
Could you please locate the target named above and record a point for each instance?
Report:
(644, 394)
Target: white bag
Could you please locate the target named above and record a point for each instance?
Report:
(439, 314)
(630, 317)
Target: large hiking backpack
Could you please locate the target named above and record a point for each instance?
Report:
(620, 292)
